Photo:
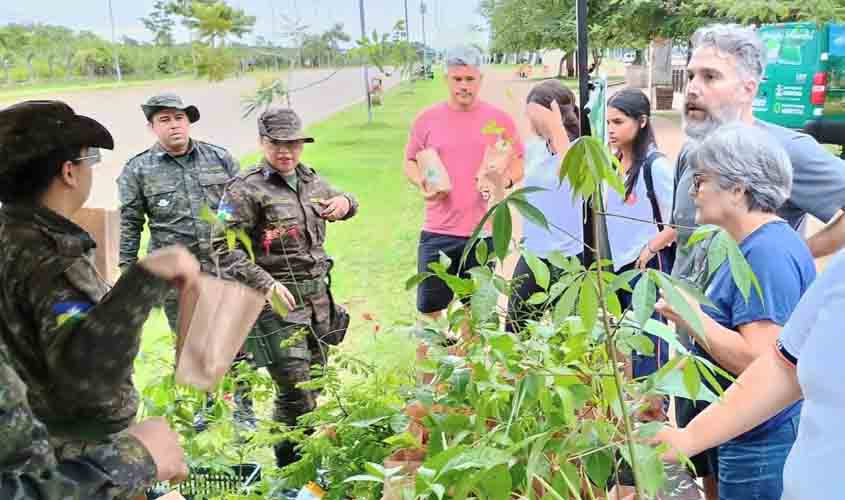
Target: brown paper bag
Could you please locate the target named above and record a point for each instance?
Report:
(492, 175)
(104, 226)
(215, 318)
(434, 173)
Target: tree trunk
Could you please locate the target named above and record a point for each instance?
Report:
(6, 69)
(570, 64)
(597, 59)
(662, 61)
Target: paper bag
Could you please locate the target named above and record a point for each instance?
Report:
(215, 318)
(104, 226)
(492, 175)
(434, 173)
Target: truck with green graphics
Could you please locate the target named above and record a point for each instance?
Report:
(804, 84)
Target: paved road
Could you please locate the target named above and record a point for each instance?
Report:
(220, 107)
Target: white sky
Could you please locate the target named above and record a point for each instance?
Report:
(447, 22)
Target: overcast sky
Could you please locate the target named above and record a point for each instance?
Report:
(447, 22)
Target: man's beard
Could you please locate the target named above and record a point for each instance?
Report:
(715, 118)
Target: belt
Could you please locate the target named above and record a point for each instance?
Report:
(307, 288)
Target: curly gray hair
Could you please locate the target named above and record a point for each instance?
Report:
(742, 42)
(740, 155)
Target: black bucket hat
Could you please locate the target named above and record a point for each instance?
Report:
(31, 128)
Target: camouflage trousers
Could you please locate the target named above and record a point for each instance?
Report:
(308, 323)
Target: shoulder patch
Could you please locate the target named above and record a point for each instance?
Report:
(70, 312)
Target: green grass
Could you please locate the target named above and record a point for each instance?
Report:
(26, 91)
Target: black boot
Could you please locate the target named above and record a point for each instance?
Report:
(286, 453)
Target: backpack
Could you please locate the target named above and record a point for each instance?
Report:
(666, 256)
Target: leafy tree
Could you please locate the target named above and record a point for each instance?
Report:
(773, 11)
(160, 23)
(217, 21)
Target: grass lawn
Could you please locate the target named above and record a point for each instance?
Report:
(374, 252)
(31, 91)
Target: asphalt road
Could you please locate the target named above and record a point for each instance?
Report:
(220, 109)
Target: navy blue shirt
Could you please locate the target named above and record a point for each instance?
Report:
(785, 269)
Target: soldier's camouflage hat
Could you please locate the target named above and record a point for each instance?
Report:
(159, 102)
(31, 129)
(282, 124)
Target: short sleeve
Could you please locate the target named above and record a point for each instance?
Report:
(827, 293)
(513, 134)
(416, 139)
(818, 185)
(780, 283)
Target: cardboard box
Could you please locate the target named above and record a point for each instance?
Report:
(104, 226)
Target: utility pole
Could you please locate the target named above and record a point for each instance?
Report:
(114, 46)
(422, 15)
(273, 34)
(407, 24)
(583, 97)
(366, 73)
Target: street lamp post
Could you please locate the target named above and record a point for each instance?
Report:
(114, 46)
(366, 73)
(407, 24)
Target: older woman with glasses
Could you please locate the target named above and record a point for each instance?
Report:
(741, 178)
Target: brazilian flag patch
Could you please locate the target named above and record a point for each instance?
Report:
(71, 312)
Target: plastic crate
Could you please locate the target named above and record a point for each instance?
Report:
(203, 483)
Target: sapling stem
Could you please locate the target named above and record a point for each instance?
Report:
(611, 352)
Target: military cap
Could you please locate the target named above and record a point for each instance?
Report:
(282, 124)
(31, 129)
(159, 102)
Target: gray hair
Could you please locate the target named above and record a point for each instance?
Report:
(463, 55)
(742, 42)
(740, 155)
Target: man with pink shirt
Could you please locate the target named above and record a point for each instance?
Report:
(455, 130)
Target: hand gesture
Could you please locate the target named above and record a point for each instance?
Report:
(544, 121)
(667, 311)
(163, 445)
(174, 264)
(430, 194)
(335, 208)
(284, 294)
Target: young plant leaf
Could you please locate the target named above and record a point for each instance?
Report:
(207, 216)
(537, 298)
(538, 268)
(502, 231)
(246, 241)
(278, 304)
(599, 467)
(644, 298)
(530, 212)
(444, 260)
(415, 280)
(680, 304)
(588, 303)
(692, 380)
(231, 239)
(702, 233)
(566, 305)
(481, 252)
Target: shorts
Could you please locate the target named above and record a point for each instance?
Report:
(432, 293)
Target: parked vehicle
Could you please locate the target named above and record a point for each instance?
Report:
(804, 84)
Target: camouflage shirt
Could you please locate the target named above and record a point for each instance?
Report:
(284, 226)
(171, 191)
(29, 471)
(70, 338)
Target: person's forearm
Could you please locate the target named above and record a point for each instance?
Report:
(662, 240)
(516, 170)
(728, 347)
(829, 240)
(413, 173)
(765, 388)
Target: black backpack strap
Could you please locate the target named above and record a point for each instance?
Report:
(649, 186)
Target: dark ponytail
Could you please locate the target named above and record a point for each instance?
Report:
(552, 90)
(634, 104)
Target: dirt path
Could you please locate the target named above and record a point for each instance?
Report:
(220, 109)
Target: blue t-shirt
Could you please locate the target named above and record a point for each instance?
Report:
(785, 269)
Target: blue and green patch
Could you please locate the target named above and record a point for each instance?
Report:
(71, 312)
(224, 212)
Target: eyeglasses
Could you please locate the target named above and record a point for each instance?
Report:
(278, 145)
(96, 156)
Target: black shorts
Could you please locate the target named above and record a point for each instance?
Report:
(433, 294)
(706, 462)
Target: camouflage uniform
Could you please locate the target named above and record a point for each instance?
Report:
(70, 339)
(287, 236)
(171, 191)
(29, 471)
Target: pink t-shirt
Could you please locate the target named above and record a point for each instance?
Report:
(457, 138)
